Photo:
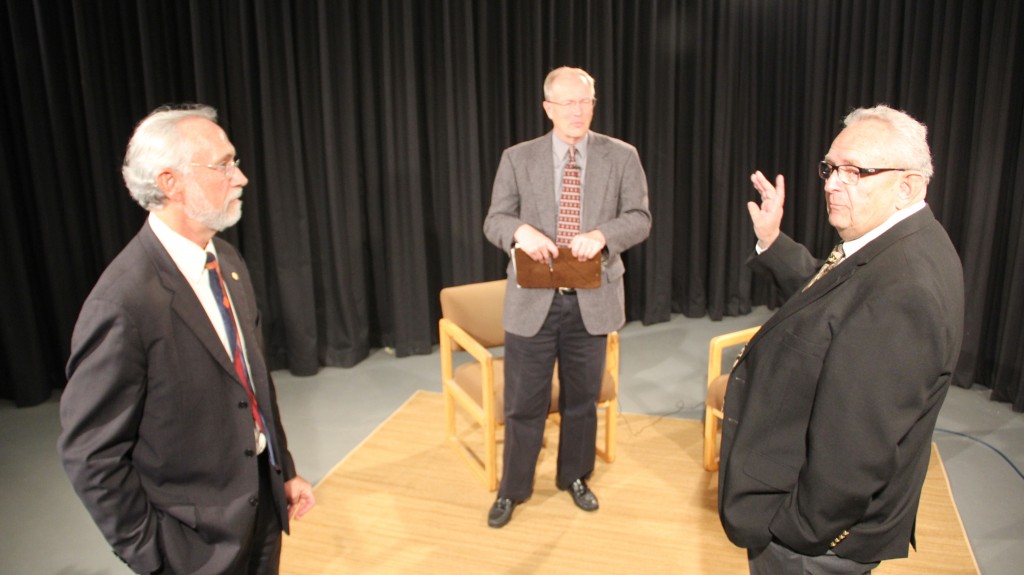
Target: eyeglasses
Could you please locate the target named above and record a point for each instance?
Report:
(227, 167)
(850, 174)
(584, 104)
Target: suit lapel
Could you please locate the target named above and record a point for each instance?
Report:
(595, 181)
(184, 302)
(844, 271)
(541, 172)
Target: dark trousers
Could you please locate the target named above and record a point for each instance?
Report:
(529, 364)
(777, 559)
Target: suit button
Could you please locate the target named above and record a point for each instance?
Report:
(249, 453)
(254, 501)
(243, 404)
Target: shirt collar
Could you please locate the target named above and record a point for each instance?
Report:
(851, 247)
(190, 258)
(560, 149)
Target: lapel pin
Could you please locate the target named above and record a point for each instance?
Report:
(234, 276)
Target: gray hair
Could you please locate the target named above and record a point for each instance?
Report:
(157, 145)
(554, 75)
(909, 144)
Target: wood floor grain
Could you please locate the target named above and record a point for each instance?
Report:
(404, 502)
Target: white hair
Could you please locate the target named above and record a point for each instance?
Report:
(157, 145)
(908, 147)
(554, 74)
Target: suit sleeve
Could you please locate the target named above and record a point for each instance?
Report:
(100, 412)
(503, 219)
(632, 225)
(789, 264)
(871, 394)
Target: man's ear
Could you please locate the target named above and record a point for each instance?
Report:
(548, 109)
(169, 183)
(912, 189)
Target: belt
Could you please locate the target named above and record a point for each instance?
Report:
(566, 291)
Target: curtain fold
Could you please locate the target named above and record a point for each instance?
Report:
(371, 131)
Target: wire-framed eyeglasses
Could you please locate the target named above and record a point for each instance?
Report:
(228, 168)
(850, 174)
(584, 104)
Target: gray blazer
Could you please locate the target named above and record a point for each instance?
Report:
(157, 434)
(614, 201)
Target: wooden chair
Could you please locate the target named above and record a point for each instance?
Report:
(717, 382)
(471, 322)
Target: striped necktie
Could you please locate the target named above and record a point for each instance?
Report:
(220, 293)
(569, 206)
(833, 260)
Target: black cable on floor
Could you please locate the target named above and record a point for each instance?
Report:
(986, 444)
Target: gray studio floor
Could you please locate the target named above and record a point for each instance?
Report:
(45, 530)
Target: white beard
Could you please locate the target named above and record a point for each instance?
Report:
(199, 209)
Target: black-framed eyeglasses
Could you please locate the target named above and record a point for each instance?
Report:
(850, 174)
(584, 104)
(228, 168)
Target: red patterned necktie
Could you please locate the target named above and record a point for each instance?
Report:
(220, 293)
(833, 260)
(569, 205)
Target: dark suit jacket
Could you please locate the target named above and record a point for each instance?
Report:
(830, 411)
(157, 436)
(614, 201)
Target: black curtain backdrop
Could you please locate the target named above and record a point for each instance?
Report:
(371, 130)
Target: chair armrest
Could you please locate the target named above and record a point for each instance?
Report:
(721, 343)
(467, 342)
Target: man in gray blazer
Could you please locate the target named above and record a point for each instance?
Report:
(830, 409)
(171, 432)
(569, 169)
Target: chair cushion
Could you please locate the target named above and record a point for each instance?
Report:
(468, 377)
(477, 309)
(716, 391)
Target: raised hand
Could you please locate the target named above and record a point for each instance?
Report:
(767, 217)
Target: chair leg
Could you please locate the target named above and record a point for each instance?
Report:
(449, 413)
(710, 440)
(611, 420)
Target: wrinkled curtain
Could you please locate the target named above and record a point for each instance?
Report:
(371, 131)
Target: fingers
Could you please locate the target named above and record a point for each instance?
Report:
(536, 245)
(772, 196)
(302, 504)
(551, 250)
(780, 187)
(299, 494)
(298, 510)
(542, 252)
(586, 246)
(763, 186)
(767, 216)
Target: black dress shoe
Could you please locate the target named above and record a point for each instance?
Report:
(582, 496)
(501, 512)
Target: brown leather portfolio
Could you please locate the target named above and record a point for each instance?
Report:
(565, 271)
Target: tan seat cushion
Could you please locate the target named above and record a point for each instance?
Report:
(467, 376)
(716, 391)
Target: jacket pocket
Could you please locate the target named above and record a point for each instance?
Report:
(184, 514)
(771, 472)
(614, 270)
